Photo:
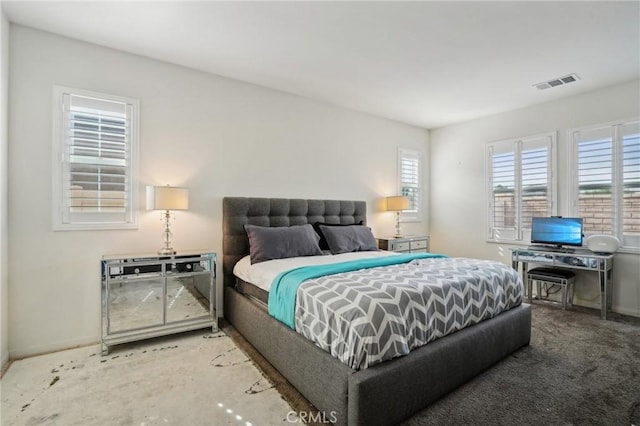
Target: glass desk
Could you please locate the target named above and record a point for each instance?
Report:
(582, 259)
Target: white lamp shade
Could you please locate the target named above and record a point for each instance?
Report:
(397, 203)
(167, 198)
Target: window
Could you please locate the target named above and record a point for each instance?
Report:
(606, 181)
(409, 175)
(95, 154)
(521, 184)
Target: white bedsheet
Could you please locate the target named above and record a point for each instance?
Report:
(262, 274)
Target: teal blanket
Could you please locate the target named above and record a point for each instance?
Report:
(282, 294)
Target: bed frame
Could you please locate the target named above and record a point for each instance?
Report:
(386, 393)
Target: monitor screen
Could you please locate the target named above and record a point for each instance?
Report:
(557, 230)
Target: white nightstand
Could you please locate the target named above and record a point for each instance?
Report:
(406, 244)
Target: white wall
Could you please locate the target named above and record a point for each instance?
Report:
(217, 136)
(4, 282)
(457, 207)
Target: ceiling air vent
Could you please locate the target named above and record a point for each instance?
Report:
(557, 81)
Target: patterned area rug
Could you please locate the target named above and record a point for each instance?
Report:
(193, 379)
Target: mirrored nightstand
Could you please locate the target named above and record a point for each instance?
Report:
(146, 296)
(407, 244)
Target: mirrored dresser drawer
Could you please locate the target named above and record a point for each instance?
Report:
(576, 259)
(407, 244)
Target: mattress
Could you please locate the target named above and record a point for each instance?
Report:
(255, 280)
(262, 274)
(252, 291)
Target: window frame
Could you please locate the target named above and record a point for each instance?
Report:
(59, 142)
(616, 170)
(411, 215)
(519, 234)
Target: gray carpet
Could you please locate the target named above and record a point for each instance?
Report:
(578, 370)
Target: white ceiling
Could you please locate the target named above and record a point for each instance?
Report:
(424, 63)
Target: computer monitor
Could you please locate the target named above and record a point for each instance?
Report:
(557, 231)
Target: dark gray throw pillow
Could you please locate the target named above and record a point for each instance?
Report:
(323, 241)
(267, 243)
(345, 239)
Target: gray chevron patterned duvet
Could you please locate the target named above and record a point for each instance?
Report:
(369, 316)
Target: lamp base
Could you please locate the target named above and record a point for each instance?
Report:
(167, 236)
(397, 226)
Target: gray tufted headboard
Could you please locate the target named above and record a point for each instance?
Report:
(238, 211)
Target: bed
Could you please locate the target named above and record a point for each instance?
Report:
(384, 393)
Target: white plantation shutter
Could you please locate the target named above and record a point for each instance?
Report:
(594, 166)
(95, 161)
(607, 181)
(520, 185)
(630, 191)
(503, 191)
(537, 193)
(409, 170)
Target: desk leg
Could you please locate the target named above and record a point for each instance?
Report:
(605, 293)
(606, 280)
(515, 264)
(610, 290)
(602, 280)
(525, 280)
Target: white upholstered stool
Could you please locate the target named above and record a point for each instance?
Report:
(554, 276)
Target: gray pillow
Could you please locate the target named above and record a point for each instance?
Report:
(345, 239)
(323, 241)
(266, 243)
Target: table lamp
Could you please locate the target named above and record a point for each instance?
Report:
(167, 198)
(397, 203)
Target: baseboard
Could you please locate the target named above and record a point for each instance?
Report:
(4, 363)
(623, 311)
(614, 308)
(53, 347)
